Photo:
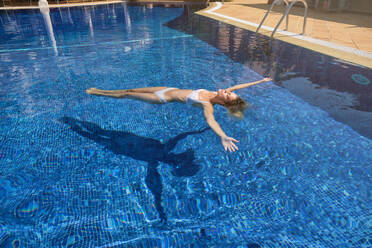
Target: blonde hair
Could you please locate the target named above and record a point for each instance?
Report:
(236, 107)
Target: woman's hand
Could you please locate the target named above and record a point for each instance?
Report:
(228, 144)
(267, 79)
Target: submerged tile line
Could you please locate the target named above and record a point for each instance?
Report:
(95, 44)
(297, 36)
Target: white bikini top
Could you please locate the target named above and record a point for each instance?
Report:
(194, 97)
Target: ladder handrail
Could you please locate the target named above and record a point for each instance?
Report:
(267, 13)
(286, 14)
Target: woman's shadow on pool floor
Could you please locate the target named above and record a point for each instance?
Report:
(145, 149)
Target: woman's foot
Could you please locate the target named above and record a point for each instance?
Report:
(92, 91)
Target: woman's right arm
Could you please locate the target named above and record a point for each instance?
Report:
(227, 142)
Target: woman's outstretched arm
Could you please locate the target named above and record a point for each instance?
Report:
(242, 86)
(227, 142)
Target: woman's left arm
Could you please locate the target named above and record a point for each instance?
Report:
(242, 86)
(227, 142)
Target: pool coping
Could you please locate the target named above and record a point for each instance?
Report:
(348, 54)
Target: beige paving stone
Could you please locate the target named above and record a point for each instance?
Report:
(351, 30)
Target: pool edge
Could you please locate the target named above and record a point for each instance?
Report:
(327, 50)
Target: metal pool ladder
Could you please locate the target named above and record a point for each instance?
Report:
(289, 4)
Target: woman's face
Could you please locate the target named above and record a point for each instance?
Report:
(226, 96)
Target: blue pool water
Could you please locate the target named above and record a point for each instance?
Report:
(84, 171)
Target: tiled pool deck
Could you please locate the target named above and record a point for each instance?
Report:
(343, 35)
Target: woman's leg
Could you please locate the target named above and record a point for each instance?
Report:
(146, 97)
(113, 93)
(147, 89)
(109, 93)
(118, 92)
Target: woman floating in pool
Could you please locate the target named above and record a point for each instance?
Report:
(201, 98)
